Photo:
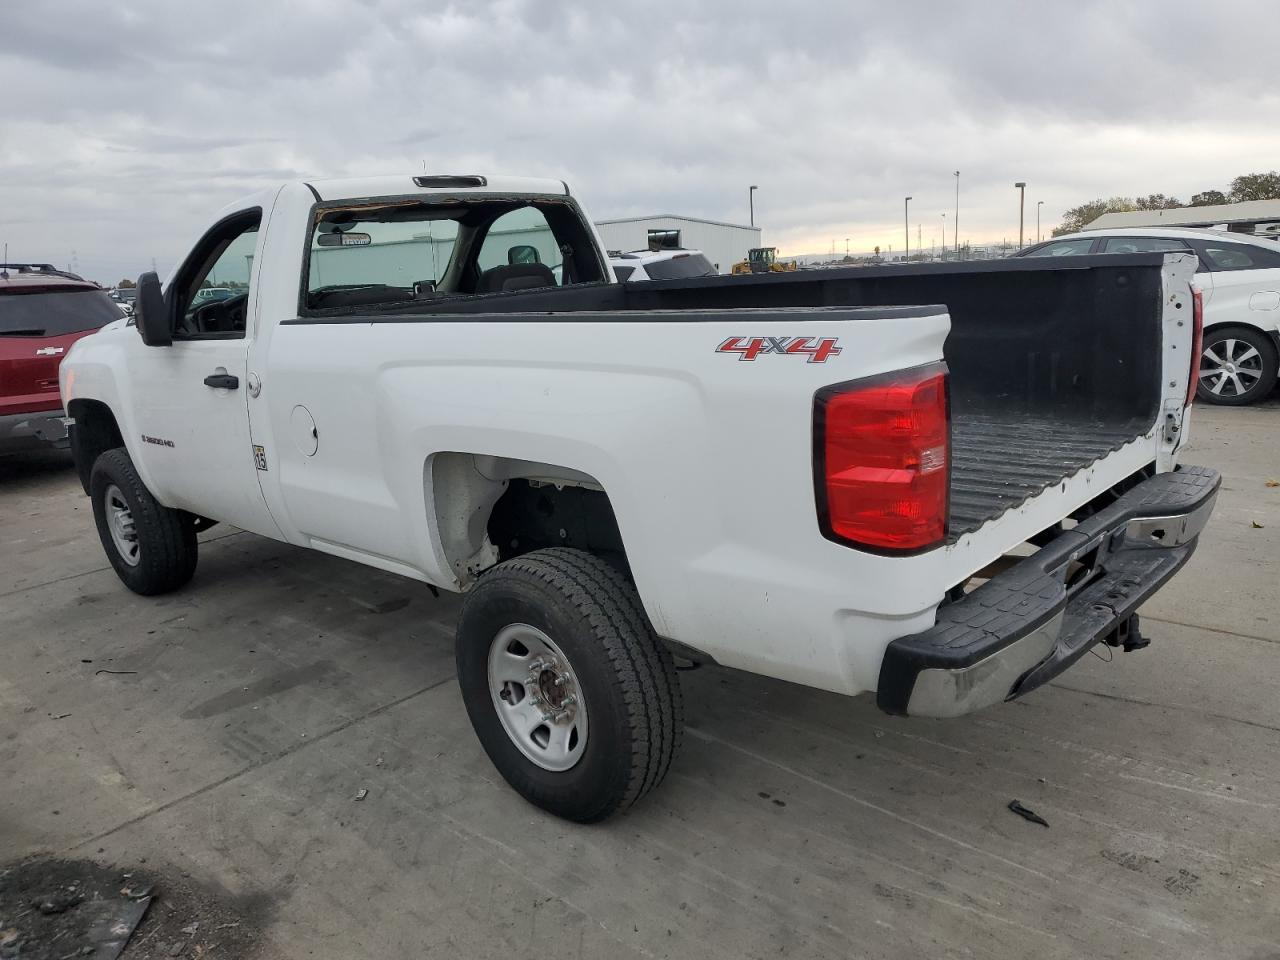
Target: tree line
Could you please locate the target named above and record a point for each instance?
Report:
(1249, 186)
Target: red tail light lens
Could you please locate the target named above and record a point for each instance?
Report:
(1197, 342)
(883, 450)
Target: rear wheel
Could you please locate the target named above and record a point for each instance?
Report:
(1238, 366)
(572, 696)
(152, 548)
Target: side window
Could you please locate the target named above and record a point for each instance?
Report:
(1144, 245)
(520, 237)
(1239, 256)
(1062, 248)
(211, 292)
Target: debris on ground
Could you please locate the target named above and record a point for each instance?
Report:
(54, 909)
(1026, 813)
(1273, 483)
(58, 902)
(361, 793)
(65, 909)
(1255, 524)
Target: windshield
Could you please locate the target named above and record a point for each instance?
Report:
(55, 313)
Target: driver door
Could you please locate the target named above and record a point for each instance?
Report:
(190, 397)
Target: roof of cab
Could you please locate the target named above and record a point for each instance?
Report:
(357, 188)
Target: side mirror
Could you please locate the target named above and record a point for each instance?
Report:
(523, 253)
(151, 313)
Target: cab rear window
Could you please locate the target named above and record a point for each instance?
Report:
(54, 313)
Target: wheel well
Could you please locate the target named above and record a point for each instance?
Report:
(93, 433)
(1272, 335)
(532, 515)
(489, 509)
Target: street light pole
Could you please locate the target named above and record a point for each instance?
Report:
(906, 228)
(956, 222)
(846, 248)
(751, 202)
(1022, 202)
(944, 236)
(1039, 204)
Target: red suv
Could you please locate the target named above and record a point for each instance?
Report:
(43, 311)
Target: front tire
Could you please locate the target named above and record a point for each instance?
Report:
(1238, 365)
(151, 547)
(572, 696)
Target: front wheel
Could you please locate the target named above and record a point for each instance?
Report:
(572, 696)
(151, 547)
(1238, 366)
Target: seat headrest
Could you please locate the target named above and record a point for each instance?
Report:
(515, 276)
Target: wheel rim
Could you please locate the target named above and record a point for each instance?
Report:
(537, 696)
(1230, 367)
(120, 522)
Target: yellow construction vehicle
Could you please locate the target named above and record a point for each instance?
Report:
(763, 260)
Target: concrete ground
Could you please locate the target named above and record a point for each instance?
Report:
(246, 711)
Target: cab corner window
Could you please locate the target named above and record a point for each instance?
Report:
(1239, 256)
(212, 288)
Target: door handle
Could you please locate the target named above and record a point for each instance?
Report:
(223, 381)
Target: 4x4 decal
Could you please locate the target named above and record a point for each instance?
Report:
(748, 348)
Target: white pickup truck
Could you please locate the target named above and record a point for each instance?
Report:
(939, 483)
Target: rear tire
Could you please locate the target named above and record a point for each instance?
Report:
(1239, 365)
(152, 548)
(561, 624)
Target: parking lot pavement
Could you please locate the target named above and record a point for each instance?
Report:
(222, 734)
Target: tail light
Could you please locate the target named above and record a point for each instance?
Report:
(882, 456)
(1197, 342)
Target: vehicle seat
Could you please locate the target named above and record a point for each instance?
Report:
(515, 276)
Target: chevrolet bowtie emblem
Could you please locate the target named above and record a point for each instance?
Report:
(50, 351)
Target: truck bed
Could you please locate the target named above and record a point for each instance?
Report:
(1000, 462)
(1053, 365)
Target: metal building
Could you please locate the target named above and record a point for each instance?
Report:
(723, 243)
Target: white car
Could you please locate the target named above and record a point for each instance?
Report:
(1239, 276)
(660, 265)
(800, 475)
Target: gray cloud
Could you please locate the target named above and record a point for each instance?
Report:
(127, 124)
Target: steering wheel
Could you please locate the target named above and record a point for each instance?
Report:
(221, 316)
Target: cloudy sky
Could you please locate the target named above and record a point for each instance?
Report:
(126, 124)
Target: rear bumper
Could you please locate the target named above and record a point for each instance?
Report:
(46, 425)
(1026, 625)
